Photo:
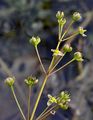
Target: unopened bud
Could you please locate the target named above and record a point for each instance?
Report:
(35, 41)
(76, 16)
(78, 56)
(60, 15)
(10, 81)
(67, 48)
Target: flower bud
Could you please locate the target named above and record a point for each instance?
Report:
(35, 41)
(62, 21)
(82, 31)
(76, 16)
(10, 81)
(78, 56)
(30, 81)
(67, 48)
(56, 52)
(60, 15)
(51, 100)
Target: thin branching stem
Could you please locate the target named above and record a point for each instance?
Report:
(43, 112)
(60, 28)
(38, 98)
(40, 60)
(49, 69)
(18, 105)
(48, 112)
(68, 38)
(29, 101)
(57, 63)
(62, 66)
(66, 31)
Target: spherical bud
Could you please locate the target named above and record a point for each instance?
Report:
(78, 56)
(76, 16)
(35, 41)
(60, 15)
(67, 48)
(30, 81)
(82, 31)
(10, 81)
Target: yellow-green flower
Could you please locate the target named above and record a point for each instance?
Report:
(62, 100)
(82, 31)
(51, 100)
(56, 52)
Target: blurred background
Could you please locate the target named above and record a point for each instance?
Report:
(19, 21)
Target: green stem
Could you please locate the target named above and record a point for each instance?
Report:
(57, 63)
(66, 30)
(18, 105)
(42, 112)
(62, 66)
(60, 30)
(51, 64)
(29, 101)
(58, 45)
(40, 59)
(70, 36)
(47, 113)
(38, 98)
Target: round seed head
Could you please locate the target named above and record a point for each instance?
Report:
(10, 81)
(78, 56)
(76, 16)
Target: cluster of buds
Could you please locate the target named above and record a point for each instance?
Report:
(78, 56)
(35, 41)
(60, 17)
(67, 48)
(62, 100)
(30, 81)
(57, 52)
(10, 81)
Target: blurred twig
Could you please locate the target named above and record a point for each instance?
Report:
(9, 73)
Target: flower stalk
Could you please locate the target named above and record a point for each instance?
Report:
(18, 105)
(40, 60)
(29, 102)
(39, 96)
